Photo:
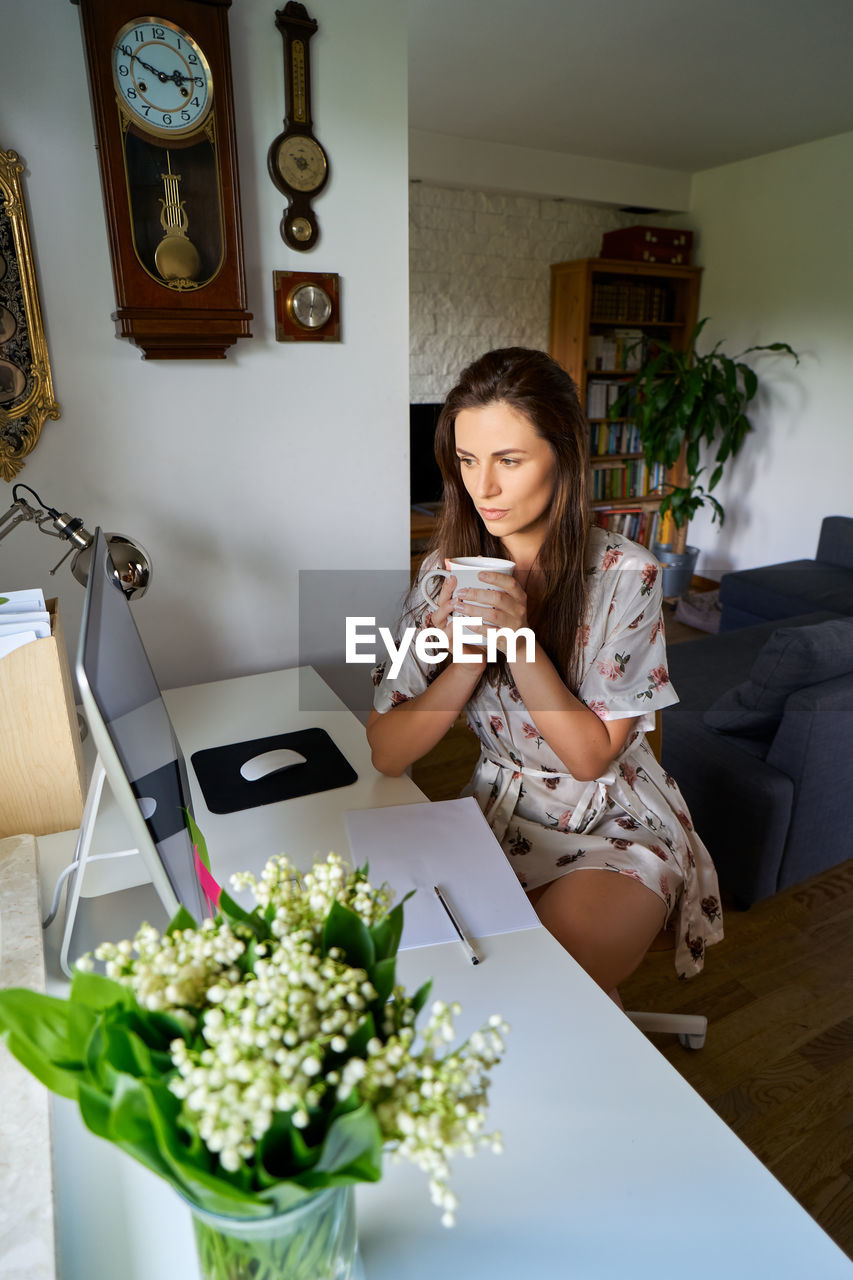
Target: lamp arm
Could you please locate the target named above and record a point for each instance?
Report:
(17, 514)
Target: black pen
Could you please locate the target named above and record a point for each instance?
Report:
(464, 940)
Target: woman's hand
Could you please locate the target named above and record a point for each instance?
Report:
(438, 616)
(505, 608)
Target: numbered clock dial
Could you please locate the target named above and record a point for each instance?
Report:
(162, 77)
(301, 162)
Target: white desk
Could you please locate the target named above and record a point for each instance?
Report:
(613, 1167)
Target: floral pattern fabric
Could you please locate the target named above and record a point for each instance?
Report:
(632, 820)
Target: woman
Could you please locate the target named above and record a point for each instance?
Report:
(565, 777)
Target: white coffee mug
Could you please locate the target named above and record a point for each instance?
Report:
(466, 570)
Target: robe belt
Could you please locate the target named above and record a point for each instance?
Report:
(508, 777)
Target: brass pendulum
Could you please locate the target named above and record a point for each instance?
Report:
(176, 257)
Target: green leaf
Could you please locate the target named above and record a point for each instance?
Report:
(382, 977)
(344, 929)
(125, 1121)
(61, 1079)
(233, 912)
(181, 920)
(99, 992)
(775, 346)
(81, 1021)
(197, 838)
(353, 1146)
(283, 1151)
(127, 1052)
(35, 1028)
(155, 1028)
(145, 1123)
(750, 381)
(357, 1042)
(95, 1109)
(386, 933)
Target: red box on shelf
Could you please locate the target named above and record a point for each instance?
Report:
(648, 244)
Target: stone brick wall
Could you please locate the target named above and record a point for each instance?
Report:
(479, 274)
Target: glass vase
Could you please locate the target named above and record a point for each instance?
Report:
(315, 1240)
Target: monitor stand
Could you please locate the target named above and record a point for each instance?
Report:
(83, 858)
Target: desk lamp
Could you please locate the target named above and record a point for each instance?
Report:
(132, 563)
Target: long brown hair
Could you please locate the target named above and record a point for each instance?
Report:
(532, 384)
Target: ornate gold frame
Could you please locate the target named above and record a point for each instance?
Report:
(23, 351)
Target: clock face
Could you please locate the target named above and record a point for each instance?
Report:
(301, 162)
(310, 306)
(161, 77)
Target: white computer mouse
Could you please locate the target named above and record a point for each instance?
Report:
(270, 762)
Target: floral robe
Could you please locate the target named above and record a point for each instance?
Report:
(632, 820)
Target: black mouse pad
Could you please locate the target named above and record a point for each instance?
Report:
(225, 790)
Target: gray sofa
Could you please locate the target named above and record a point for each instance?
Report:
(761, 745)
(749, 596)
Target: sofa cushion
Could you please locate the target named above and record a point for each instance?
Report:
(793, 658)
(782, 590)
(836, 541)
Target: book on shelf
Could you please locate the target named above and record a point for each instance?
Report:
(626, 478)
(638, 524)
(600, 396)
(623, 303)
(619, 351)
(607, 438)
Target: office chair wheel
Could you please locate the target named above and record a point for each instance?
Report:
(692, 1042)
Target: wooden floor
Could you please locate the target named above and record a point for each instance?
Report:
(778, 993)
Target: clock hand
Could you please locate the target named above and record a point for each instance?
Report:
(177, 76)
(134, 57)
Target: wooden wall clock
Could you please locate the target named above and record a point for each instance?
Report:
(160, 83)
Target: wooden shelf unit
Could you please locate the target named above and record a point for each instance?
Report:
(596, 296)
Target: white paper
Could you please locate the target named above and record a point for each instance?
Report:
(8, 644)
(23, 617)
(446, 843)
(10, 623)
(22, 601)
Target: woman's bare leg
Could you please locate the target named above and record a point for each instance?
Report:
(607, 921)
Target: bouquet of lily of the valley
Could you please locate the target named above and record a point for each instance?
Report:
(259, 1057)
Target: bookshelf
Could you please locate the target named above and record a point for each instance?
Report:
(605, 314)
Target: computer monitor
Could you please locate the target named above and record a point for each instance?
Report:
(136, 743)
(425, 481)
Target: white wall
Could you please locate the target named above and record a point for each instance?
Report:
(233, 474)
(480, 274)
(446, 161)
(776, 241)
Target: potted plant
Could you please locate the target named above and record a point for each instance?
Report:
(262, 1061)
(681, 401)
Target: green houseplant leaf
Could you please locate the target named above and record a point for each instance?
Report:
(682, 401)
